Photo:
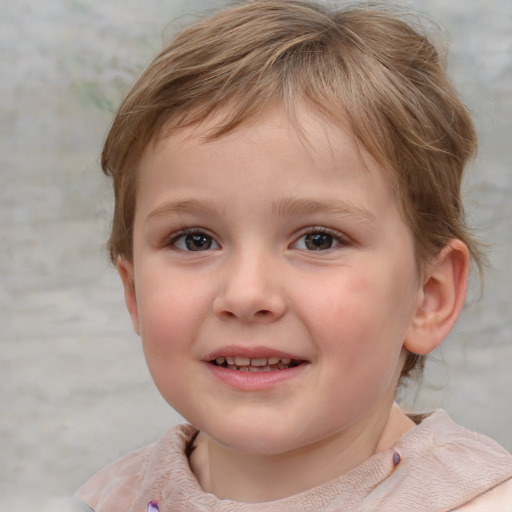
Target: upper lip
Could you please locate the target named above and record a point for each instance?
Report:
(255, 352)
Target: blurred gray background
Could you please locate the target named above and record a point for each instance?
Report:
(74, 390)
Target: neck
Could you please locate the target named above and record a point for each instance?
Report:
(256, 478)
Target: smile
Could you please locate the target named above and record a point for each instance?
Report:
(259, 364)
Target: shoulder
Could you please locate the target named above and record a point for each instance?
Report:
(117, 486)
(445, 465)
(471, 452)
(497, 499)
(440, 439)
(117, 482)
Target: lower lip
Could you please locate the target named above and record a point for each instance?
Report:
(254, 381)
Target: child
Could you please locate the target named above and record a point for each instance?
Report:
(289, 231)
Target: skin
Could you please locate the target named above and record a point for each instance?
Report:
(347, 309)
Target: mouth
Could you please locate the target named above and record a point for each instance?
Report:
(256, 364)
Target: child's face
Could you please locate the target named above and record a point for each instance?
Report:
(264, 246)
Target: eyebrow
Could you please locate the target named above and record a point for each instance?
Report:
(186, 206)
(282, 208)
(297, 206)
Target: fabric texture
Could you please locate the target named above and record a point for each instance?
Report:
(437, 466)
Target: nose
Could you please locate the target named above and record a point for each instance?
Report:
(250, 291)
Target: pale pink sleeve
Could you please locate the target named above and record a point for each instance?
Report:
(114, 488)
(497, 499)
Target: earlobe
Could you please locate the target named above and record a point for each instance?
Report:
(440, 299)
(125, 269)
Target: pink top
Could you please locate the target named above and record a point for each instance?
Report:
(436, 466)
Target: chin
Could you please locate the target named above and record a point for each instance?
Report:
(256, 439)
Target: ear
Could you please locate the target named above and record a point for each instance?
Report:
(440, 298)
(125, 269)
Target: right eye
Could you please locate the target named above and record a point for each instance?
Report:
(194, 241)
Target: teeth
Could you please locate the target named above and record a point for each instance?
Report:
(255, 368)
(256, 364)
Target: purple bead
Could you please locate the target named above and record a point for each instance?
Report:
(153, 506)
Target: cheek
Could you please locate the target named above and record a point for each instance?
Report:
(168, 326)
(169, 314)
(361, 321)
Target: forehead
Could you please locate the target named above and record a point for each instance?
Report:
(273, 150)
(312, 135)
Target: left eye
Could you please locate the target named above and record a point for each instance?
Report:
(195, 242)
(317, 241)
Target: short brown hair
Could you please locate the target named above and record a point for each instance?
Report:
(363, 64)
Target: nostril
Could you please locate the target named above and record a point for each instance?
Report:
(263, 312)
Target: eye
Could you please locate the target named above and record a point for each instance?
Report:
(194, 241)
(318, 241)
